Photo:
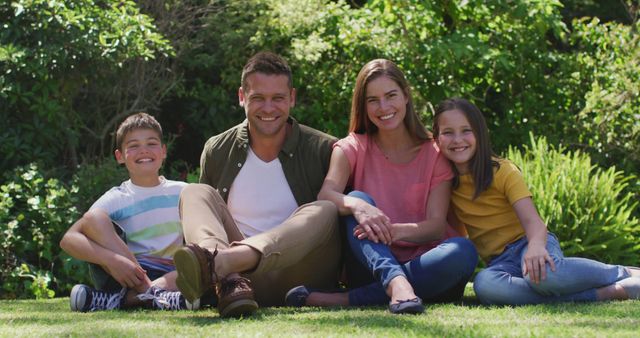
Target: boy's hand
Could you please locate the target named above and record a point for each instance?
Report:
(129, 274)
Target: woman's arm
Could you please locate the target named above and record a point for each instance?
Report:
(375, 223)
(536, 231)
(336, 181)
(435, 225)
(432, 228)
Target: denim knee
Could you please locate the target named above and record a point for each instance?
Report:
(487, 288)
(553, 282)
(547, 287)
(363, 196)
(465, 254)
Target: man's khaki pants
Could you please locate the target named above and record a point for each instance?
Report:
(303, 250)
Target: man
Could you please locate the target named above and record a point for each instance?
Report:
(254, 212)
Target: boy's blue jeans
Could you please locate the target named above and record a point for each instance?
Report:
(103, 281)
(439, 274)
(575, 279)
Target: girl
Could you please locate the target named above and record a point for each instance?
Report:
(389, 157)
(525, 264)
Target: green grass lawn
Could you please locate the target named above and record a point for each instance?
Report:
(53, 318)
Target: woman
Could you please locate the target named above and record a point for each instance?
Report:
(391, 159)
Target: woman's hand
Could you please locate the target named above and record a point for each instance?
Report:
(535, 260)
(373, 224)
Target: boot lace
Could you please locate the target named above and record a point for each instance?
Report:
(238, 284)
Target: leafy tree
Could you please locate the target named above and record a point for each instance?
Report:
(70, 70)
(609, 122)
(622, 11)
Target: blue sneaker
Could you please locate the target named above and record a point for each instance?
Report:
(161, 299)
(84, 298)
(297, 297)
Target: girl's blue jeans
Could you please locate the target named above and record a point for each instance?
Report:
(575, 279)
(434, 275)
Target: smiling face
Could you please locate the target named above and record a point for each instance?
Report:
(456, 139)
(267, 102)
(142, 153)
(386, 103)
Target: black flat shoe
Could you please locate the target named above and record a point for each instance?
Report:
(410, 306)
(297, 297)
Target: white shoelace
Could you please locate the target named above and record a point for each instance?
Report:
(162, 299)
(173, 299)
(107, 301)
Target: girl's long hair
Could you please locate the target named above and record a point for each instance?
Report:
(359, 121)
(482, 162)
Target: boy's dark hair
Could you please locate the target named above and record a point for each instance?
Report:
(137, 121)
(266, 63)
(482, 162)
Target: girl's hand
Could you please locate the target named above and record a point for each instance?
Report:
(534, 262)
(373, 224)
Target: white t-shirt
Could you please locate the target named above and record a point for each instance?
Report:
(260, 197)
(148, 215)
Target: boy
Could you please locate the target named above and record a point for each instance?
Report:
(129, 235)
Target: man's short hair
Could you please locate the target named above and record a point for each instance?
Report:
(136, 121)
(266, 63)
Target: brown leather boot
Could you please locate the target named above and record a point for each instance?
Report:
(196, 271)
(235, 297)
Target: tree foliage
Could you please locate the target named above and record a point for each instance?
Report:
(70, 70)
(609, 122)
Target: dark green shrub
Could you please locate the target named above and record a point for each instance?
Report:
(34, 214)
(91, 180)
(71, 69)
(584, 205)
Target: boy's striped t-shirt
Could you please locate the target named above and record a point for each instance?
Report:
(148, 215)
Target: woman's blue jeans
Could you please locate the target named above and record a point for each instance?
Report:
(434, 275)
(575, 279)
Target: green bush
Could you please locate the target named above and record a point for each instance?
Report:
(584, 205)
(34, 214)
(91, 180)
(609, 123)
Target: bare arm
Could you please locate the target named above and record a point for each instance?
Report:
(374, 221)
(81, 242)
(435, 224)
(78, 245)
(432, 228)
(536, 232)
